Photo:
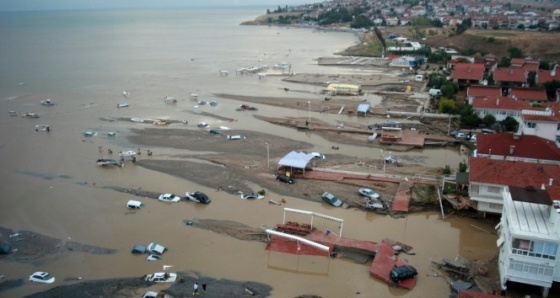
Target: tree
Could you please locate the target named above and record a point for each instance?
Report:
(505, 62)
(447, 106)
(488, 120)
(447, 89)
(509, 124)
(515, 52)
(544, 65)
(468, 117)
(550, 88)
(361, 22)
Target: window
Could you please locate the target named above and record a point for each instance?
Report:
(531, 124)
(535, 249)
(494, 189)
(558, 126)
(537, 269)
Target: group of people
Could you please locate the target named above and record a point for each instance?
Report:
(195, 288)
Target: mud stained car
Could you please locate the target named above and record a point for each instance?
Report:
(331, 199)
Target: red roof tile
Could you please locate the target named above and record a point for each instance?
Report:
(511, 74)
(553, 192)
(540, 118)
(529, 94)
(468, 71)
(501, 103)
(484, 91)
(511, 173)
(544, 76)
(526, 64)
(501, 143)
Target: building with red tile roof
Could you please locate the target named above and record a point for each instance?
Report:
(488, 178)
(529, 65)
(482, 91)
(466, 74)
(545, 76)
(490, 63)
(501, 107)
(531, 95)
(510, 77)
(544, 124)
(517, 147)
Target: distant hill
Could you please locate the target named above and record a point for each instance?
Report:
(542, 45)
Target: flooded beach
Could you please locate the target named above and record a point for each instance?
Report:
(85, 61)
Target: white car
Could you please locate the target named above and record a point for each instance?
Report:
(318, 155)
(368, 193)
(42, 277)
(169, 197)
(161, 277)
(202, 124)
(153, 257)
(155, 248)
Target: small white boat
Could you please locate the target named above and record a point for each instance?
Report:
(47, 102)
(224, 128)
(31, 115)
(127, 153)
(140, 120)
(13, 113)
(122, 105)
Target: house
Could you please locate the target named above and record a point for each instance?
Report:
(482, 91)
(517, 147)
(500, 107)
(510, 77)
(529, 235)
(545, 76)
(534, 96)
(490, 63)
(489, 178)
(540, 123)
(466, 74)
(527, 64)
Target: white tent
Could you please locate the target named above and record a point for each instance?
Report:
(296, 159)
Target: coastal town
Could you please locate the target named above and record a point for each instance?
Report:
(499, 115)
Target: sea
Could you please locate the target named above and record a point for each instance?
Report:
(89, 61)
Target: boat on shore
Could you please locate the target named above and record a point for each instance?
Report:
(107, 162)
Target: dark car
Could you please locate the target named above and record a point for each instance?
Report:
(5, 249)
(215, 131)
(198, 197)
(331, 199)
(285, 179)
(139, 249)
(403, 272)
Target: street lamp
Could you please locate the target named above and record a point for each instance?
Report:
(267, 156)
(384, 160)
(308, 112)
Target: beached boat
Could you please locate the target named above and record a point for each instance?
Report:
(107, 162)
(47, 102)
(30, 115)
(122, 105)
(127, 153)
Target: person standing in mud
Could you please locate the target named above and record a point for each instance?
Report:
(195, 289)
(204, 287)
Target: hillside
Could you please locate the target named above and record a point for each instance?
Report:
(541, 45)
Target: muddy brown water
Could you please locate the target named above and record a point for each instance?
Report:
(51, 185)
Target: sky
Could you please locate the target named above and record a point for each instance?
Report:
(17, 5)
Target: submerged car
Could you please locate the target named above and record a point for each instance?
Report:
(139, 249)
(198, 197)
(154, 257)
(402, 272)
(331, 199)
(368, 193)
(391, 159)
(155, 248)
(169, 197)
(318, 155)
(42, 277)
(161, 277)
(285, 179)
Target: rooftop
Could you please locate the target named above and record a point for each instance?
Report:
(468, 71)
(512, 173)
(529, 94)
(484, 91)
(504, 144)
(501, 103)
(511, 74)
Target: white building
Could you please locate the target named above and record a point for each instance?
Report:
(528, 238)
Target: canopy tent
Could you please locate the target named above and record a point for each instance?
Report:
(296, 159)
(363, 108)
